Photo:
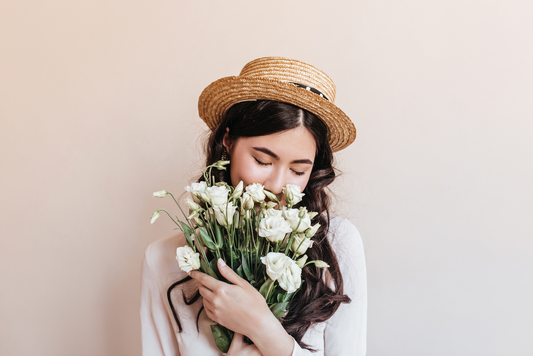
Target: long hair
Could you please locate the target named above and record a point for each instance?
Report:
(316, 301)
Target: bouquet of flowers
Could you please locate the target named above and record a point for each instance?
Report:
(261, 239)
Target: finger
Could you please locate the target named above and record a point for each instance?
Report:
(229, 274)
(205, 279)
(205, 292)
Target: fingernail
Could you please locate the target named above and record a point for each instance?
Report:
(221, 262)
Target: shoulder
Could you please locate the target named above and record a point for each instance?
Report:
(342, 231)
(160, 257)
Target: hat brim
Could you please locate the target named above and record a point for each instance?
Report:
(220, 95)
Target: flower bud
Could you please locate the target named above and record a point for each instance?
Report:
(237, 191)
(192, 205)
(270, 195)
(204, 197)
(320, 264)
(301, 261)
(289, 197)
(199, 221)
(312, 215)
(160, 194)
(193, 215)
(236, 220)
(303, 212)
(247, 201)
(154, 217)
(220, 165)
(312, 230)
(271, 205)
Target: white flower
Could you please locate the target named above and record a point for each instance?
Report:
(199, 187)
(291, 278)
(218, 195)
(256, 192)
(300, 244)
(293, 217)
(272, 212)
(188, 260)
(247, 202)
(276, 263)
(160, 194)
(155, 215)
(224, 213)
(293, 194)
(274, 228)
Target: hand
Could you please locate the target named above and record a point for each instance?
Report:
(240, 348)
(243, 309)
(238, 306)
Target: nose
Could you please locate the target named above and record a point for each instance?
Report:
(275, 181)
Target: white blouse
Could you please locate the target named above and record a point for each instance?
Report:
(343, 334)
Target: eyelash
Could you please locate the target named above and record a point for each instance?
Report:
(268, 164)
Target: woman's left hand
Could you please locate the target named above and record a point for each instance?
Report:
(238, 306)
(240, 348)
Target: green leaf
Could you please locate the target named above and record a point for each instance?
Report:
(186, 228)
(207, 240)
(207, 269)
(266, 288)
(239, 271)
(218, 233)
(279, 309)
(222, 339)
(246, 269)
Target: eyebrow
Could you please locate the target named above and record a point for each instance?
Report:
(272, 154)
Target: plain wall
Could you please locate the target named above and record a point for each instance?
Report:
(98, 110)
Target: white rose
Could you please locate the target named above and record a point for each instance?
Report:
(300, 244)
(199, 187)
(256, 192)
(272, 212)
(224, 213)
(293, 217)
(188, 260)
(294, 192)
(218, 195)
(274, 228)
(291, 278)
(276, 263)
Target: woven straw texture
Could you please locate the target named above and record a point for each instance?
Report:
(269, 79)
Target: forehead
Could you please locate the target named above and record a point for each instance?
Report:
(296, 143)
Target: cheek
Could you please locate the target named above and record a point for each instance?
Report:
(245, 170)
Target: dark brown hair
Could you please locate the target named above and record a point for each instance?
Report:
(315, 302)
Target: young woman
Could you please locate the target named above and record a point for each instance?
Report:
(278, 125)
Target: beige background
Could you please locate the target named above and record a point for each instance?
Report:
(98, 110)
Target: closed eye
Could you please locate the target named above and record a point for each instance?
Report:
(262, 163)
(298, 173)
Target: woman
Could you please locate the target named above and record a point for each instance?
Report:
(278, 125)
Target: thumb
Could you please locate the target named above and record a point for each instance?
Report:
(228, 273)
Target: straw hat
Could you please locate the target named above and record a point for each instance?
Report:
(285, 80)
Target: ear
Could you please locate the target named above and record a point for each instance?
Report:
(227, 141)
